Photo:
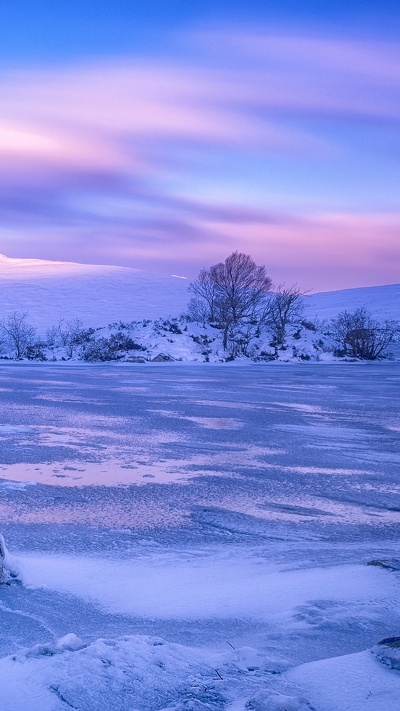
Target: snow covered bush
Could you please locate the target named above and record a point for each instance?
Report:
(67, 335)
(357, 334)
(115, 347)
(17, 334)
(36, 351)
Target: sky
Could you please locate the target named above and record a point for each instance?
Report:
(165, 134)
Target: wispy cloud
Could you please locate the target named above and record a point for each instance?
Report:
(320, 251)
(108, 161)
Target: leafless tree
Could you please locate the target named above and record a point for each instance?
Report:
(66, 334)
(18, 332)
(240, 337)
(285, 307)
(231, 292)
(203, 306)
(359, 335)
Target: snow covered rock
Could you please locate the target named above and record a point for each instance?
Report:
(69, 643)
(273, 701)
(388, 652)
(387, 564)
(134, 673)
(162, 358)
(8, 566)
(247, 659)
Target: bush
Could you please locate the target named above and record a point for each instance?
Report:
(36, 351)
(358, 335)
(116, 347)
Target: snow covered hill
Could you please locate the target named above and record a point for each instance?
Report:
(382, 301)
(98, 295)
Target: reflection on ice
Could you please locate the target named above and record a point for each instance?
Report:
(105, 473)
(137, 468)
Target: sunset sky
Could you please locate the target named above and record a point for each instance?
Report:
(164, 134)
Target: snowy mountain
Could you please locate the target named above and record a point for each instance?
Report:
(96, 294)
(382, 301)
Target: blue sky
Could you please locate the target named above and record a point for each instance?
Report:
(74, 29)
(164, 135)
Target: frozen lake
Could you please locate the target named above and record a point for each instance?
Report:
(211, 523)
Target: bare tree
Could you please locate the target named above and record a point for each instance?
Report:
(231, 292)
(203, 306)
(240, 337)
(67, 334)
(285, 308)
(19, 334)
(359, 335)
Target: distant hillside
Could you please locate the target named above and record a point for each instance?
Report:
(97, 294)
(102, 294)
(382, 301)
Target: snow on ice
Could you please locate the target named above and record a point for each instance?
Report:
(198, 539)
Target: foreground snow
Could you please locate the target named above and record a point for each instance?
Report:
(354, 682)
(148, 674)
(204, 586)
(197, 585)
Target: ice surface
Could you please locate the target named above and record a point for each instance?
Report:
(197, 538)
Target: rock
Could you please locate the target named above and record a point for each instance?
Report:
(387, 651)
(393, 642)
(387, 564)
(69, 643)
(162, 358)
(273, 701)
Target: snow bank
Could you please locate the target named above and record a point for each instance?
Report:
(147, 673)
(135, 673)
(202, 586)
(354, 682)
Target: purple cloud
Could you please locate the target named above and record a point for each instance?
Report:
(101, 162)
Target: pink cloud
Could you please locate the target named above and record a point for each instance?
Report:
(84, 115)
(374, 60)
(319, 251)
(83, 151)
(314, 74)
(114, 101)
(322, 251)
(80, 114)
